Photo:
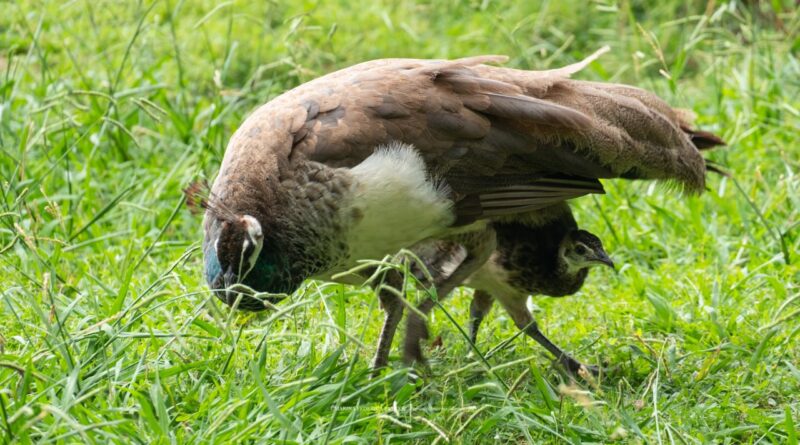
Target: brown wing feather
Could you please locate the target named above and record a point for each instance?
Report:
(477, 126)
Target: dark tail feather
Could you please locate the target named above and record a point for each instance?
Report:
(704, 140)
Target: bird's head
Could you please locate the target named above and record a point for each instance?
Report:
(236, 247)
(237, 265)
(581, 249)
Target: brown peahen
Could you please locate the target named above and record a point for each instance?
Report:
(389, 153)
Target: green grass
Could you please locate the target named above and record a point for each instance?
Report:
(107, 330)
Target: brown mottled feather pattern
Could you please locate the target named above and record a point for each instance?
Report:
(506, 145)
(469, 121)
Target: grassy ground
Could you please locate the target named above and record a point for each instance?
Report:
(107, 331)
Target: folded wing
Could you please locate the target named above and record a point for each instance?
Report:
(505, 140)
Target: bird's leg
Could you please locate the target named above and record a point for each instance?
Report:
(434, 257)
(478, 309)
(392, 305)
(572, 365)
(515, 306)
(416, 331)
(479, 246)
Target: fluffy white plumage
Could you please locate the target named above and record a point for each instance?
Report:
(395, 204)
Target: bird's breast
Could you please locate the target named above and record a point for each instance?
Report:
(395, 204)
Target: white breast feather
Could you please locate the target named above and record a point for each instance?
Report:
(397, 201)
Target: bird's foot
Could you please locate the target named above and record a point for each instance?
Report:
(377, 369)
(575, 367)
(412, 354)
(593, 370)
(414, 359)
(416, 332)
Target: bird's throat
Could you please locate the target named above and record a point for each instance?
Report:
(567, 279)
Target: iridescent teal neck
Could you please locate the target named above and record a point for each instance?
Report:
(271, 274)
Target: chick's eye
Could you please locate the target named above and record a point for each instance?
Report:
(580, 250)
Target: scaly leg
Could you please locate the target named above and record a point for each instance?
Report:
(479, 246)
(393, 307)
(478, 309)
(435, 255)
(515, 306)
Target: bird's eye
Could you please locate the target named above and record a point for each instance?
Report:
(580, 250)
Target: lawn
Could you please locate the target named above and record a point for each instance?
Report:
(108, 333)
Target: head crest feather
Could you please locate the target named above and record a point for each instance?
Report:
(199, 196)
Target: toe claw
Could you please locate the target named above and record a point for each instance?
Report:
(593, 369)
(574, 367)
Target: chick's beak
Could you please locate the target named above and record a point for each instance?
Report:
(603, 259)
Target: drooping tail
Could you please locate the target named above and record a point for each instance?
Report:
(705, 140)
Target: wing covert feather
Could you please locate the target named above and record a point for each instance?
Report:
(479, 126)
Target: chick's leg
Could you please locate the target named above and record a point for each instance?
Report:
(479, 246)
(515, 306)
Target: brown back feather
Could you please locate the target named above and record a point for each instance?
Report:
(480, 124)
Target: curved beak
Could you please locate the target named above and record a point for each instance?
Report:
(238, 295)
(602, 258)
(228, 280)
